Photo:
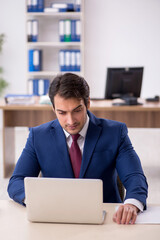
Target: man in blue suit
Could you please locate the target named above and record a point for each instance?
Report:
(104, 144)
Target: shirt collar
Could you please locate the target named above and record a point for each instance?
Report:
(83, 132)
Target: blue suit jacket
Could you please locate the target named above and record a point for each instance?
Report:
(107, 150)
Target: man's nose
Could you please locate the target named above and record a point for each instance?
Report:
(70, 119)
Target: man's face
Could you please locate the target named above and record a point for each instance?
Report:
(71, 113)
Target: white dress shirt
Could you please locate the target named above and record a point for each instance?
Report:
(80, 142)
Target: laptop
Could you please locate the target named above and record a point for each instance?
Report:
(64, 200)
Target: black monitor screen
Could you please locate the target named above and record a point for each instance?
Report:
(123, 82)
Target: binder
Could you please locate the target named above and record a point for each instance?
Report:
(46, 86)
(78, 61)
(29, 31)
(62, 60)
(77, 6)
(34, 5)
(67, 60)
(37, 60)
(73, 60)
(34, 30)
(30, 59)
(70, 7)
(41, 87)
(78, 31)
(40, 6)
(67, 30)
(73, 30)
(35, 87)
(29, 5)
(61, 30)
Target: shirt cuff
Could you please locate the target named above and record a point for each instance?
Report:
(135, 202)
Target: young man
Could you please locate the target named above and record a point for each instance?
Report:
(103, 144)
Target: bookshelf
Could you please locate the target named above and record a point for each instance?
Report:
(48, 40)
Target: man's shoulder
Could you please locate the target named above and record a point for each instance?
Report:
(45, 126)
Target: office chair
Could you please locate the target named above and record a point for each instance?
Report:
(121, 188)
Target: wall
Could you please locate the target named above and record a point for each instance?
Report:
(122, 33)
(13, 57)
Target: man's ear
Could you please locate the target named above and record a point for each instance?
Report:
(88, 104)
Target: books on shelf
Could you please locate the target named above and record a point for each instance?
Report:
(35, 60)
(64, 7)
(70, 60)
(32, 30)
(38, 87)
(69, 30)
(35, 5)
(19, 99)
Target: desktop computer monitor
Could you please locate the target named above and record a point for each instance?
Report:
(123, 82)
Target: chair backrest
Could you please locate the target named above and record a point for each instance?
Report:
(121, 188)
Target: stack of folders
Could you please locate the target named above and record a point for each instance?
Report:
(39, 87)
(19, 99)
(69, 30)
(35, 60)
(70, 60)
(35, 5)
(64, 7)
(32, 30)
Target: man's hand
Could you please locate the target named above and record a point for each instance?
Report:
(126, 214)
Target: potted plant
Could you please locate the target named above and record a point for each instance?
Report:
(3, 83)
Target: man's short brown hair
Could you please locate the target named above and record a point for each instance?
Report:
(69, 85)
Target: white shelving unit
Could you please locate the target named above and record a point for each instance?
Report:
(48, 39)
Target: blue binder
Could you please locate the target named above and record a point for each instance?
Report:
(34, 30)
(37, 60)
(77, 5)
(61, 30)
(68, 60)
(29, 6)
(40, 6)
(62, 60)
(34, 5)
(35, 87)
(70, 7)
(30, 60)
(29, 30)
(73, 60)
(46, 86)
(73, 30)
(78, 30)
(78, 61)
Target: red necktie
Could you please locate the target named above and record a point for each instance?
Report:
(75, 155)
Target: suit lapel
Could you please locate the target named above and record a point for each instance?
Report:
(61, 146)
(91, 139)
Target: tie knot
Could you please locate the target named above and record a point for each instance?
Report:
(75, 136)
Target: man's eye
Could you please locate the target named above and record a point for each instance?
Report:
(78, 110)
(61, 113)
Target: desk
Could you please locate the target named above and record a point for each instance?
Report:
(15, 226)
(144, 116)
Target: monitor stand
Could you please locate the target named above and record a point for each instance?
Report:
(127, 101)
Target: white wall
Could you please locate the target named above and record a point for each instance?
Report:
(13, 57)
(117, 33)
(122, 33)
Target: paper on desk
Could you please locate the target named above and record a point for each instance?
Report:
(149, 216)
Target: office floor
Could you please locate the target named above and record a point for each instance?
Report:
(145, 141)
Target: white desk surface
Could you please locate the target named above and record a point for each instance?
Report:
(15, 226)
